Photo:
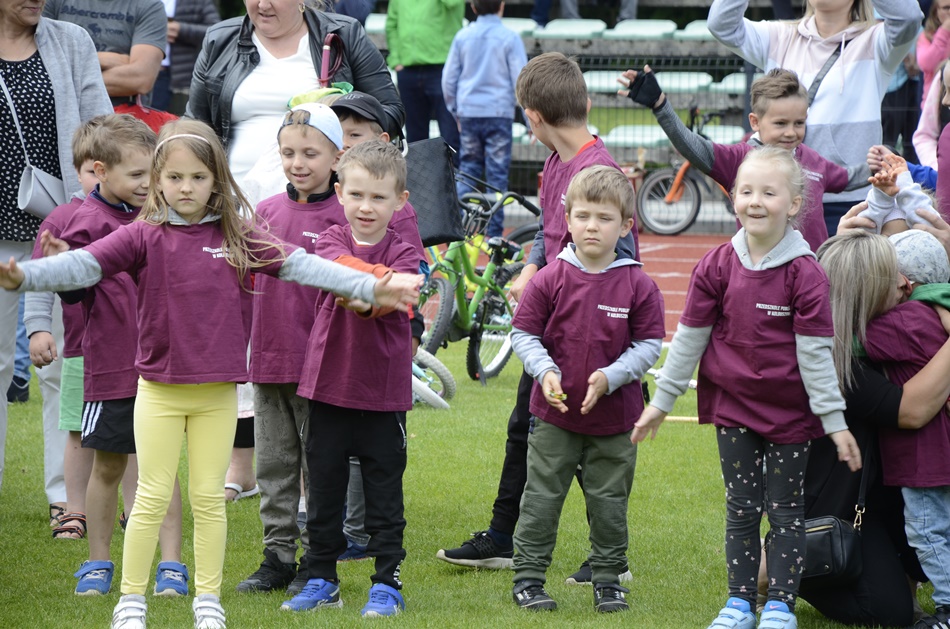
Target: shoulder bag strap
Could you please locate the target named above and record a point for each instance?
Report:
(862, 491)
(813, 90)
(16, 121)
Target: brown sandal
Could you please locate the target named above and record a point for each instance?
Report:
(71, 524)
(56, 513)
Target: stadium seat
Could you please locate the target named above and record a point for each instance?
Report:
(674, 82)
(376, 24)
(572, 29)
(694, 31)
(636, 135)
(732, 83)
(640, 30)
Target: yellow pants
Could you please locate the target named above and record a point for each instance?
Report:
(164, 413)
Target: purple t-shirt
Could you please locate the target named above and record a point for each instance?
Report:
(748, 375)
(586, 321)
(109, 309)
(556, 176)
(351, 361)
(903, 340)
(821, 176)
(194, 313)
(73, 324)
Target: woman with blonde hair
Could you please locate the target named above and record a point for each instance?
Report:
(843, 56)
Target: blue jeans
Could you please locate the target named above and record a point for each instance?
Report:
(420, 89)
(486, 153)
(927, 523)
(21, 362)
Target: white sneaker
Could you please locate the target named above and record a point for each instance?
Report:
(129, 612)
(208, 612)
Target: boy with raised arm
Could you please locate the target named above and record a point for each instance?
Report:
(779, 109)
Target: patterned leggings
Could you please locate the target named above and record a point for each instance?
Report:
(779, 487)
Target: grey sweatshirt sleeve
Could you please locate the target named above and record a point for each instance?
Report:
(65, 271)
(312, 270)
(821, 382)
(531, 352)
(38, 312)
(911, 198)
(633, 363)
(747, 39)
(881, 208)
(858, 176)
(685, 351)
(694, 147)
(536, 256)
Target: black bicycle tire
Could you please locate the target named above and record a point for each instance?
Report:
(473, 358)
(524, 235)
(653, 191)
(438, 329)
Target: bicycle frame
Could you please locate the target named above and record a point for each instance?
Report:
(676, 189)
(457, 267)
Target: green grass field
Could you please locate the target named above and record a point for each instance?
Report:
(676, 531)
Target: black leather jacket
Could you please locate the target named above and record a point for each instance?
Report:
(228, 56)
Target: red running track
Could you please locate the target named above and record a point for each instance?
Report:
(670, 260)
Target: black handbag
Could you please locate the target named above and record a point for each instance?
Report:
(833, 545)
(430, 179)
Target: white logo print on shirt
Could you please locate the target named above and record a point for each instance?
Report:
(614, 312)
(775, 311)
(217, 252)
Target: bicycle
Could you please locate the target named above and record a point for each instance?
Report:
(668, 200)
(485, 316)
(432, 382)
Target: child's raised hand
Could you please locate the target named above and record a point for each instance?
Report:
(11, 276)
(896, 164)
(398, 290)
(52, 245)
(876, 156)
(596, 388)
(885, 180)
(642, 87)
(648, 424)
(553, 393)
(847, 449)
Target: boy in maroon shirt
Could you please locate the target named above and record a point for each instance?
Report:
(356, 371)
(552, 92)
(589, 326)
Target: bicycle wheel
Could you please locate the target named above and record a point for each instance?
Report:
(437, 308)
(664, 218)
(489, 344)
(524, 236)
(436, 374)
(422, 392)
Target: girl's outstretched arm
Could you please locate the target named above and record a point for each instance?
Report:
(11, 276)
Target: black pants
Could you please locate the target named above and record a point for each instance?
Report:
(378, 440)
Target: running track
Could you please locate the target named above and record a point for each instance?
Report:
(669, 260)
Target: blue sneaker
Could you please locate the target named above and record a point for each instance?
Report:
(737, 614)
(383, 601)
(171, 579)
(353, 552)
(777, 616)
(95, 578)
(317, 593)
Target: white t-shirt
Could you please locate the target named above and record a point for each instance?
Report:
(260, 103)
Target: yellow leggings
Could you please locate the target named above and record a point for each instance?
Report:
(164, 413)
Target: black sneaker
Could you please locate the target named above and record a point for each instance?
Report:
(272, 575)
(530, 594)
(19, 391)
(479, 552)
(300, 580)
(608, 597)
(585, 575)
(931, 622)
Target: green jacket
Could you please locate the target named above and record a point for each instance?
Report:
(420, 32)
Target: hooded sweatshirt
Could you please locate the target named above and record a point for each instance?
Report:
(844, 120)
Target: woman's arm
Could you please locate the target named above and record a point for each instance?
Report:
(927, 392)
(748, 39)
(902, 20)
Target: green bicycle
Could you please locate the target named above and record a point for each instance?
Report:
(463, 300)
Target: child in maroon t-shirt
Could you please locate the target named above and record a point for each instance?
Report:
(758, 315)
(588, 327)
(356, 372)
